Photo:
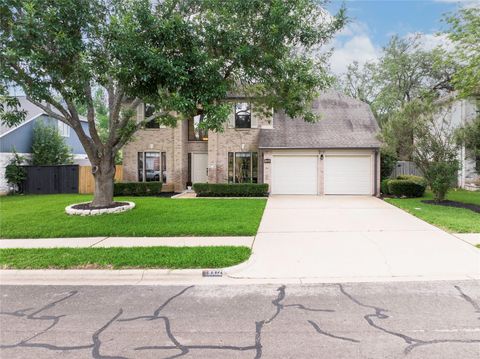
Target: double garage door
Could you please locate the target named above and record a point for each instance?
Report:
(342, 174)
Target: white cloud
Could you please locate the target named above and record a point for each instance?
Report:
(352, 44)
(432, 41)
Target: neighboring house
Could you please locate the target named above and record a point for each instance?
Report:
(337, 155)
(20, 137)
(460, 112)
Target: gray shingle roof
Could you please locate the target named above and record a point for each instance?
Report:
(31, 112)
(345, 123)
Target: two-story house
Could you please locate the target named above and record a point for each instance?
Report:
(339, 154)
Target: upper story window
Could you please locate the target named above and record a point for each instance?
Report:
(195, 133)
(149, 110)
(63, 129)
(243, 116)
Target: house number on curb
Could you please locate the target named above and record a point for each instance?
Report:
(212, 273)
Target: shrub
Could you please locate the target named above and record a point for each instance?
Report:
(384, 186)
(231, 189)
(406, 188)
(388, 160)
(49, 147)
(15, 174)
(441, 177)
(137, 188)
(417, 179)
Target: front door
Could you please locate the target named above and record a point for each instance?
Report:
(199, 167)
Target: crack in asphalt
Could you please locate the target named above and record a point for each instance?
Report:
(320, 331)
(469, 299)
(97, 342)
(55, 319)
(372, 319)
(301, 306)
(380, 314)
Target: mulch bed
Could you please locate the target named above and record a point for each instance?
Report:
(88, 207)
(447, 203)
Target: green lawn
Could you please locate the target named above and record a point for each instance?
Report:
(116, 258)
(43, 216)
(456, 220)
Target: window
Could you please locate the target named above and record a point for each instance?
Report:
(149, 110)
(242, 167)
(195, 133)
(152, 166)
(243, 118)
(63, 129)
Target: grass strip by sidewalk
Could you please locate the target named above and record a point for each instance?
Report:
(123, 257)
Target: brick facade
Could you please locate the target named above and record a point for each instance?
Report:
(174, 142)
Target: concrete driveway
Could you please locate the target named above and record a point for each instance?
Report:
(353, 238)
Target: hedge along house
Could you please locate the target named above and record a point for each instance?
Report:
(20, 138)
(337, 155)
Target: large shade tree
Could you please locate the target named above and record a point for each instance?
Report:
(182, 56)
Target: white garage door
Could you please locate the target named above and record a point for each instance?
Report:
(294, 174)
(348, 174)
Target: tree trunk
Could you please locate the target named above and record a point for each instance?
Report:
(103, 174)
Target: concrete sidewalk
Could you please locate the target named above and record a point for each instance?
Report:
(472, 238)
(126, 242)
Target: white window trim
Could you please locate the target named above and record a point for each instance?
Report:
(63, 129)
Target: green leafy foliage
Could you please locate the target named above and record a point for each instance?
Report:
(388, 160)
(15, 174)
(231, 189)
(384, 186)
(417, 179)
(406, 188)
(469, 136)
(464, 32)
(435, 152)
(184, 57)
(137, 188)
(441, 177)
(49, 147)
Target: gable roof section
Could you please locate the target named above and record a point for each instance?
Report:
(345, 123)
(33, 112)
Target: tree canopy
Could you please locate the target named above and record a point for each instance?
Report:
(185, 57)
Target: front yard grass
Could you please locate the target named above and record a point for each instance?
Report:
(118, 258)
(43, 216)
(456, 220)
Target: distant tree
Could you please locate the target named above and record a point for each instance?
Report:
(404, 72)
(182, 56)
(464, 32)
(435, 152)
(469, 136)
(49, 147)
(15, 174)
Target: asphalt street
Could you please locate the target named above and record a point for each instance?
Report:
(363, 320)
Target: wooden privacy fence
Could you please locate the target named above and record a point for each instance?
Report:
(405, 168)
(86, 183)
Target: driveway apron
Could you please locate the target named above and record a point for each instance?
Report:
(353, 237)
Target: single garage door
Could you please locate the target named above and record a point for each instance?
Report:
(348, 174)
(294, 174)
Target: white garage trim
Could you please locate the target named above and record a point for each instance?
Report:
(295, 174)
(348, 173)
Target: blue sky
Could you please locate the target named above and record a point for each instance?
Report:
(373, 22)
